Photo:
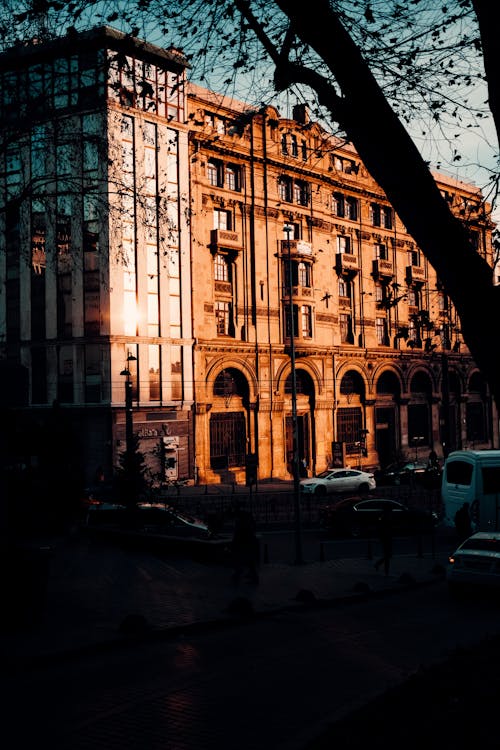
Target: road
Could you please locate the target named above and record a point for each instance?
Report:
(269, 684)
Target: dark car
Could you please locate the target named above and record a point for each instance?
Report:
(356, 517)
(409, 472)
(157, 518)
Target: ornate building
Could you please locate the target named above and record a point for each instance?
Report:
(238, 274)
(301, 260)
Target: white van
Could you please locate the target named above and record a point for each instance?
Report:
(472, 477)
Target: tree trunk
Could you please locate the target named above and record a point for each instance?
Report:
(394, 162)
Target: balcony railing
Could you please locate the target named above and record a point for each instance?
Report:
(346, 263)
(415, 274)
(297, 247)
(382, 268)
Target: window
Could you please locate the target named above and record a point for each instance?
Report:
(386, 217)
(344, 288)
(349, 426)
(288, 322)
(338, 204)
(413, 297)
(233, 177)
(381, 252)
(375, 214)
(223, 219)
(295, 148)
(222, 318)
(413, 258)
(351, 208)
(301, 193)
(306, 321)
(345, 325)
(284, 144)
(303, 148)
(304, 274)
(285, 189)
(215, 173)
(292, 230)
(381, 330)
(344, 244)
(227, 440)
(221, 268)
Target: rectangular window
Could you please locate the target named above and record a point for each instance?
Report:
(387, 217)
(303, 148)
(176, 373)
(344, 244)
(301, 193)
(285, 189)
(222, 219)
(381, 330)
(418, 424)
(154, 372)
(345, 325)
(233, 177)
(221, 269)
(304, 274)
(288, 321)
(227, 440)
(338, 204)
(413, 258)
(222, 318)
(349, 426)
(351, 208)
(295, 148)
(375, 214)
(306, 321)
(381, 251)
(215, 173)
(284, 144)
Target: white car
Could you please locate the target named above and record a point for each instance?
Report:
(338, 480)
(475, 563)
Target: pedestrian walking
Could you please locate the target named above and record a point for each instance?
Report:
(385, 536)
(245, 547)
(463, 524)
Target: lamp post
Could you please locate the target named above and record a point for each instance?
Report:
(129, 420)
(295, 460)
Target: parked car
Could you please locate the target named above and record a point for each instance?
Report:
(338, 480)
(165, 519)
(475, 564)
(408, 472)
(157, 518)
(356, 517)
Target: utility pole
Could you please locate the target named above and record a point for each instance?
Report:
(295, 463)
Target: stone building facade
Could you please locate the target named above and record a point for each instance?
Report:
(291, 235)
(239, 272)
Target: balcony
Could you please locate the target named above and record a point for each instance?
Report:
(297, 247)
(382, 269)
(415, 275)
(298, 291)
(226, 238)
(345, 263)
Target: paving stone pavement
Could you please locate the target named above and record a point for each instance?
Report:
(96, 590)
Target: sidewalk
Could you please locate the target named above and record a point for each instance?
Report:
(99, 595)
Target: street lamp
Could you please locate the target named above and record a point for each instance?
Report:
(129, 423)
(295, 460)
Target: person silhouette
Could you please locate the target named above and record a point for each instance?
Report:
(385, 536)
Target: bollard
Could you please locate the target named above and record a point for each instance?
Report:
(322, 552)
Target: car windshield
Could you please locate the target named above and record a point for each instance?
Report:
(482, 545)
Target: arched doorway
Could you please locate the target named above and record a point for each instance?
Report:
(419, 412)
(351, 426)
(229, 421)
(305, 423)
(386, 418)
